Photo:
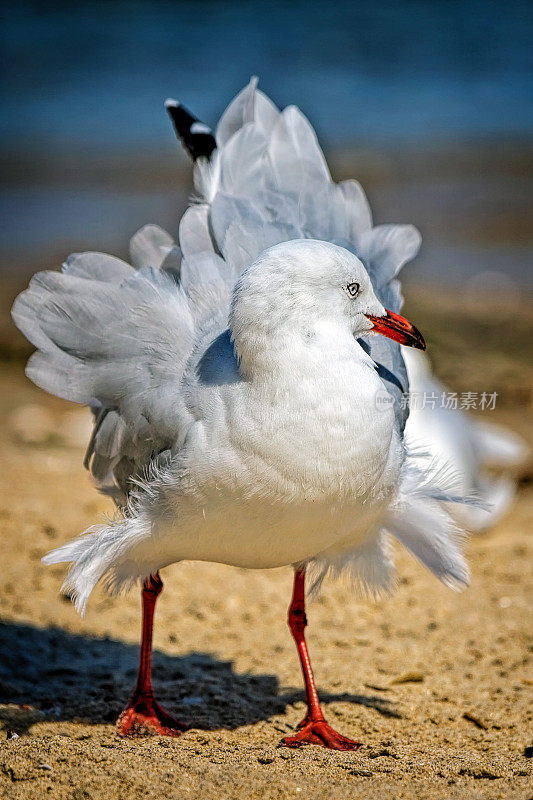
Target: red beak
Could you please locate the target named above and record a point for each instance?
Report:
(398, 328)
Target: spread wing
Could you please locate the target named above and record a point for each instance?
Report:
(266, 182)
(122, 338)
(117, 338)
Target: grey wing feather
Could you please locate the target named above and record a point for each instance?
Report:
(119, 346)
(151, 246)
(268, 182)
(97, 266)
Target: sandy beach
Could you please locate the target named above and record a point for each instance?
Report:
(436, 685)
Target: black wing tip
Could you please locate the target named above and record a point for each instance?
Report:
(196, 137)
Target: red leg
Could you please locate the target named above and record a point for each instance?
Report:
(313, 728)
(143, 714)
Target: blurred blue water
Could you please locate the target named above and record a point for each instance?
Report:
(83, 86)
(97, 73)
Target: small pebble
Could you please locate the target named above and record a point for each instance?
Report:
(476, 720)
(408, 677)
(266, 758)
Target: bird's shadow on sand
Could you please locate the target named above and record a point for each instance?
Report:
(71, 677)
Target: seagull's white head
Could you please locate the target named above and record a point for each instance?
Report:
(294, 287)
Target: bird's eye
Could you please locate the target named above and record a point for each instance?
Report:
(353, 289)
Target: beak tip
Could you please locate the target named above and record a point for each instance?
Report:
(420, 343)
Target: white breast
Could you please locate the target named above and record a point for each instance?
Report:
(284, 469)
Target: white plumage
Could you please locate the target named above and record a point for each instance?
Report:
(484, 457)
(234, 381)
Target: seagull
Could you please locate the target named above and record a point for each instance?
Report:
(246, 384)
(484, 457)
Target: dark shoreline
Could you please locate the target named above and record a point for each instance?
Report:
(472, 197)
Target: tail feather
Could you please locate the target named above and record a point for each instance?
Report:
(369, 568)
(103, 551)
(91, 554)
(431, 535)
(422, 522)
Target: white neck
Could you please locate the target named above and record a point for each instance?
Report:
(286, 352)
